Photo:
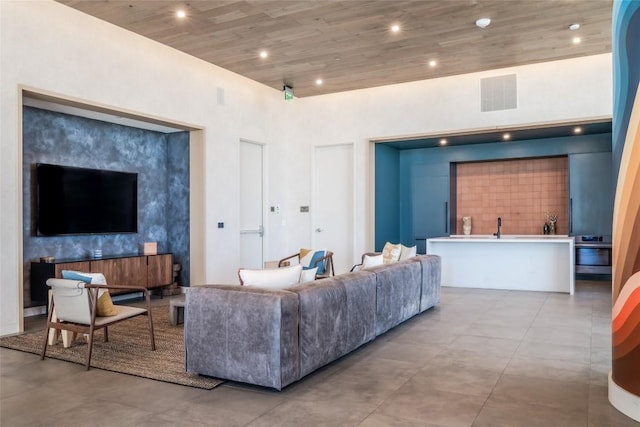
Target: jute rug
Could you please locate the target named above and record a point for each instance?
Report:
(128, 350)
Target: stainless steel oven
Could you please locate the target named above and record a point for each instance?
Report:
(593, 254)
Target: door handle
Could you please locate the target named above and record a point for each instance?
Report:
(259, 230)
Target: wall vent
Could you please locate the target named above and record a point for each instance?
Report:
(220, 95)
(498, 93)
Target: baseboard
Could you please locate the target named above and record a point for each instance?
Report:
(34, 311)
(623, 401)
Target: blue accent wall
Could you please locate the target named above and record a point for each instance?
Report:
(422, 200)
(387, 201)
(160, 160)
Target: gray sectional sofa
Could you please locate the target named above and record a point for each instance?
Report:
(275, 337)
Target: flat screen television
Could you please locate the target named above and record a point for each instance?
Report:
(74, 200)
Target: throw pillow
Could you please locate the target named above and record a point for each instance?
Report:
(407, 253)
(391, 252)
(105, 307)
(308, 258)
(308, 275)
(372, 261)
(273, 278)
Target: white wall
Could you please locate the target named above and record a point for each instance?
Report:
(50, 47)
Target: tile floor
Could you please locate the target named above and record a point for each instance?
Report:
(482, 358)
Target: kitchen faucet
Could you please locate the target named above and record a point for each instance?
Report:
(499, 225)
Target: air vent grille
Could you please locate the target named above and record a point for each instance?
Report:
(498, 93)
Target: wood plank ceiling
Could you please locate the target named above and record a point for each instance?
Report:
(349, 45)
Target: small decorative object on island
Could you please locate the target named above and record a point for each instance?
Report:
(466, 225)
(551, 222)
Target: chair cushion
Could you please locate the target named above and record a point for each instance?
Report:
(272, 278)
(391, 252)
(308, 258)
(105, 304)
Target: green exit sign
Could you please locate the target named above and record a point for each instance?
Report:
(288, 93)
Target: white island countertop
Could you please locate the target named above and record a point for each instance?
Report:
(515, 262)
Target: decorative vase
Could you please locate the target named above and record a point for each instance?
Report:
(552, 227)
(466, 225)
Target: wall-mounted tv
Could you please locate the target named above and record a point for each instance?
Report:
(72, 200)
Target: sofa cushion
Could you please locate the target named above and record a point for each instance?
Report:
(360, 289)
(323, 323)
(398, 288)
(271, 278)
(431, 277)
(241, 333)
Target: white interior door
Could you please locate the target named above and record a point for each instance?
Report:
(333, 195)
(251, 205)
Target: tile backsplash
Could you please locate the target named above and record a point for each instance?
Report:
(521, 192)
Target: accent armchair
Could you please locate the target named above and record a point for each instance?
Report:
(75, 305)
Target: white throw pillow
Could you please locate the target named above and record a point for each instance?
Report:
(407, 253)
(308, 275)
(372, 261)
(391, 252)
(274, 278)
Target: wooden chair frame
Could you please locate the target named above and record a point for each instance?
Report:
(92, 327)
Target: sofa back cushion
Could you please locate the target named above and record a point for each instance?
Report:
(323, 323)
(242, 334)
(398, 288)
(431, 278)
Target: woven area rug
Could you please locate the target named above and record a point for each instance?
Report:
(128, 350)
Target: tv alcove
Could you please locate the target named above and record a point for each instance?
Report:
(150, 271)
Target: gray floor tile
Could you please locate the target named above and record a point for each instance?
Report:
(482, 358)
(416, 401)
(565, 395)
(521, 414)
(549, 369)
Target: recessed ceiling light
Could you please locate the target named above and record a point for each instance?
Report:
(577, 130)
(318, 82)
(506, 136)
(433, 63)
(181, 14)
(395, 28)
(574, 27)
(483, 22)
(443, 141)
(263, 54)
(576, 40)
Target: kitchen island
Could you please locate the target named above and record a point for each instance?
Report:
(514, 262)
